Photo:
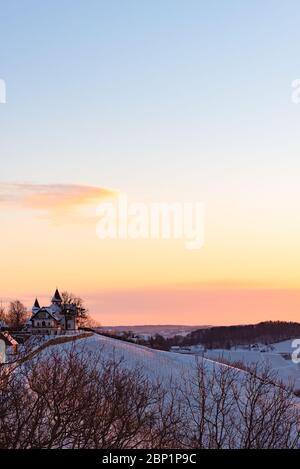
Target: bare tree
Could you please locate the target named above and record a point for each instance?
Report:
(267, 412)
(227, 408)
(210, 403)
(2, 312)
(70, 399)
(83, 317)
(17, 315)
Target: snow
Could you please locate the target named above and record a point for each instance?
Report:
(155, 364)
(287, 371)
(284, 347)
(170, 368)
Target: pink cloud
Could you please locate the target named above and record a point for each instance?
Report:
(53, 200)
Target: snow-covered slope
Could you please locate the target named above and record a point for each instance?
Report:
(162, 365)
(171, 369)
(287, 370)
(155, 364)
(284, 347)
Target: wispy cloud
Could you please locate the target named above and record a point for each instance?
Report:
(53, 200)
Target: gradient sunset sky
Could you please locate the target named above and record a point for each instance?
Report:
(163, 101)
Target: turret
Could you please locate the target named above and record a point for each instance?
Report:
(36, 306)
(57, 300)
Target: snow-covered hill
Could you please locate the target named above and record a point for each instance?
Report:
(163, 365)
(155, 364)
(219, 391)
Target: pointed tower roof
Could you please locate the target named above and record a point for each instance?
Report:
(36, 304)
(57, 296)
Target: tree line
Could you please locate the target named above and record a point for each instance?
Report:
(228, 336)
(224, 337)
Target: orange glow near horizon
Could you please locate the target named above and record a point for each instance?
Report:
(186, 306)
(242, 274)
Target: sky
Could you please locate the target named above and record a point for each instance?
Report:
(165, 102)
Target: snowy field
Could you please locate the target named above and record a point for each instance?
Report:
(284, 347)
(279, 359)
(163, 365)
(155, 364)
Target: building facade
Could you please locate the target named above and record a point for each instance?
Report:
(56, 319)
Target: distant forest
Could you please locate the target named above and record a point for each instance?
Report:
(223, 337)
(229, 336)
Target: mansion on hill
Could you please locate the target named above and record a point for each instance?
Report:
(55, 319)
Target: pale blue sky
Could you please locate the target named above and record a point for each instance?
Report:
(141, 95)
(172, 100)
